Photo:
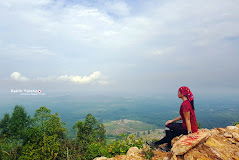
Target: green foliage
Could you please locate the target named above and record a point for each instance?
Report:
(148, 153)
(117, 147)
(43, 137)
(4, 126)
(43, 140)
(9, 149)
(90, 137)
(19, 122)
(12, 133)
(89, 131)
(47, 149)
(50, 124)
(14, 126)
(96, 150)
(235, 123)
(121, 146)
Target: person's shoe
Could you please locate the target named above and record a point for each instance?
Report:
(152, 144)
(164, 148)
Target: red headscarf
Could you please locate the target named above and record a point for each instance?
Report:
(186, 92)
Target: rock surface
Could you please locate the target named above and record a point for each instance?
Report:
(185, 143)
(214, 144)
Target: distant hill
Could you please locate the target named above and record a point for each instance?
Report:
(149, 135)
(126, 126)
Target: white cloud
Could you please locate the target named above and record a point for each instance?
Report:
(94, 77)
(18, 77)
(81, 80)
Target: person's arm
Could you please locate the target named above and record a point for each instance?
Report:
(173, 120)
(187, 119)
(177, 119)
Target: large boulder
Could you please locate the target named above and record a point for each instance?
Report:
(221, 144)
(101, 158)
(186, 142)
(133, 153)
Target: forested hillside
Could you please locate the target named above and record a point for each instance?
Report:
(44, 136)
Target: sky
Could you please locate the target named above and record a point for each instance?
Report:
(120, 47)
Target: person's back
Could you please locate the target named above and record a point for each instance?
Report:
(185, 107)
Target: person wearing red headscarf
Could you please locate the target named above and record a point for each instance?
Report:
(188, 117)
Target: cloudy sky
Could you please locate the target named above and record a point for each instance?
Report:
(120, 46)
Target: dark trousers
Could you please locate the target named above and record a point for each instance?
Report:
(175, 129)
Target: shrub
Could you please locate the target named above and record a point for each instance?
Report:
(235, 123)
(121, 146)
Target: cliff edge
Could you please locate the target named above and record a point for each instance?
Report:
(214, 144)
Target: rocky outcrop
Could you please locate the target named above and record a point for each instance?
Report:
(214, 144)
(221, 144)
(133, 154)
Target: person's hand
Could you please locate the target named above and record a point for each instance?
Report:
(168, 122)
(193, 136)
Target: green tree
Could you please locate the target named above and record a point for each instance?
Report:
(12, 133)
(19, 122)
(4, 126)
(122, 145)
(49, 124)
(44, 138)
(90, 130)
(90, 135)
(41, 116)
